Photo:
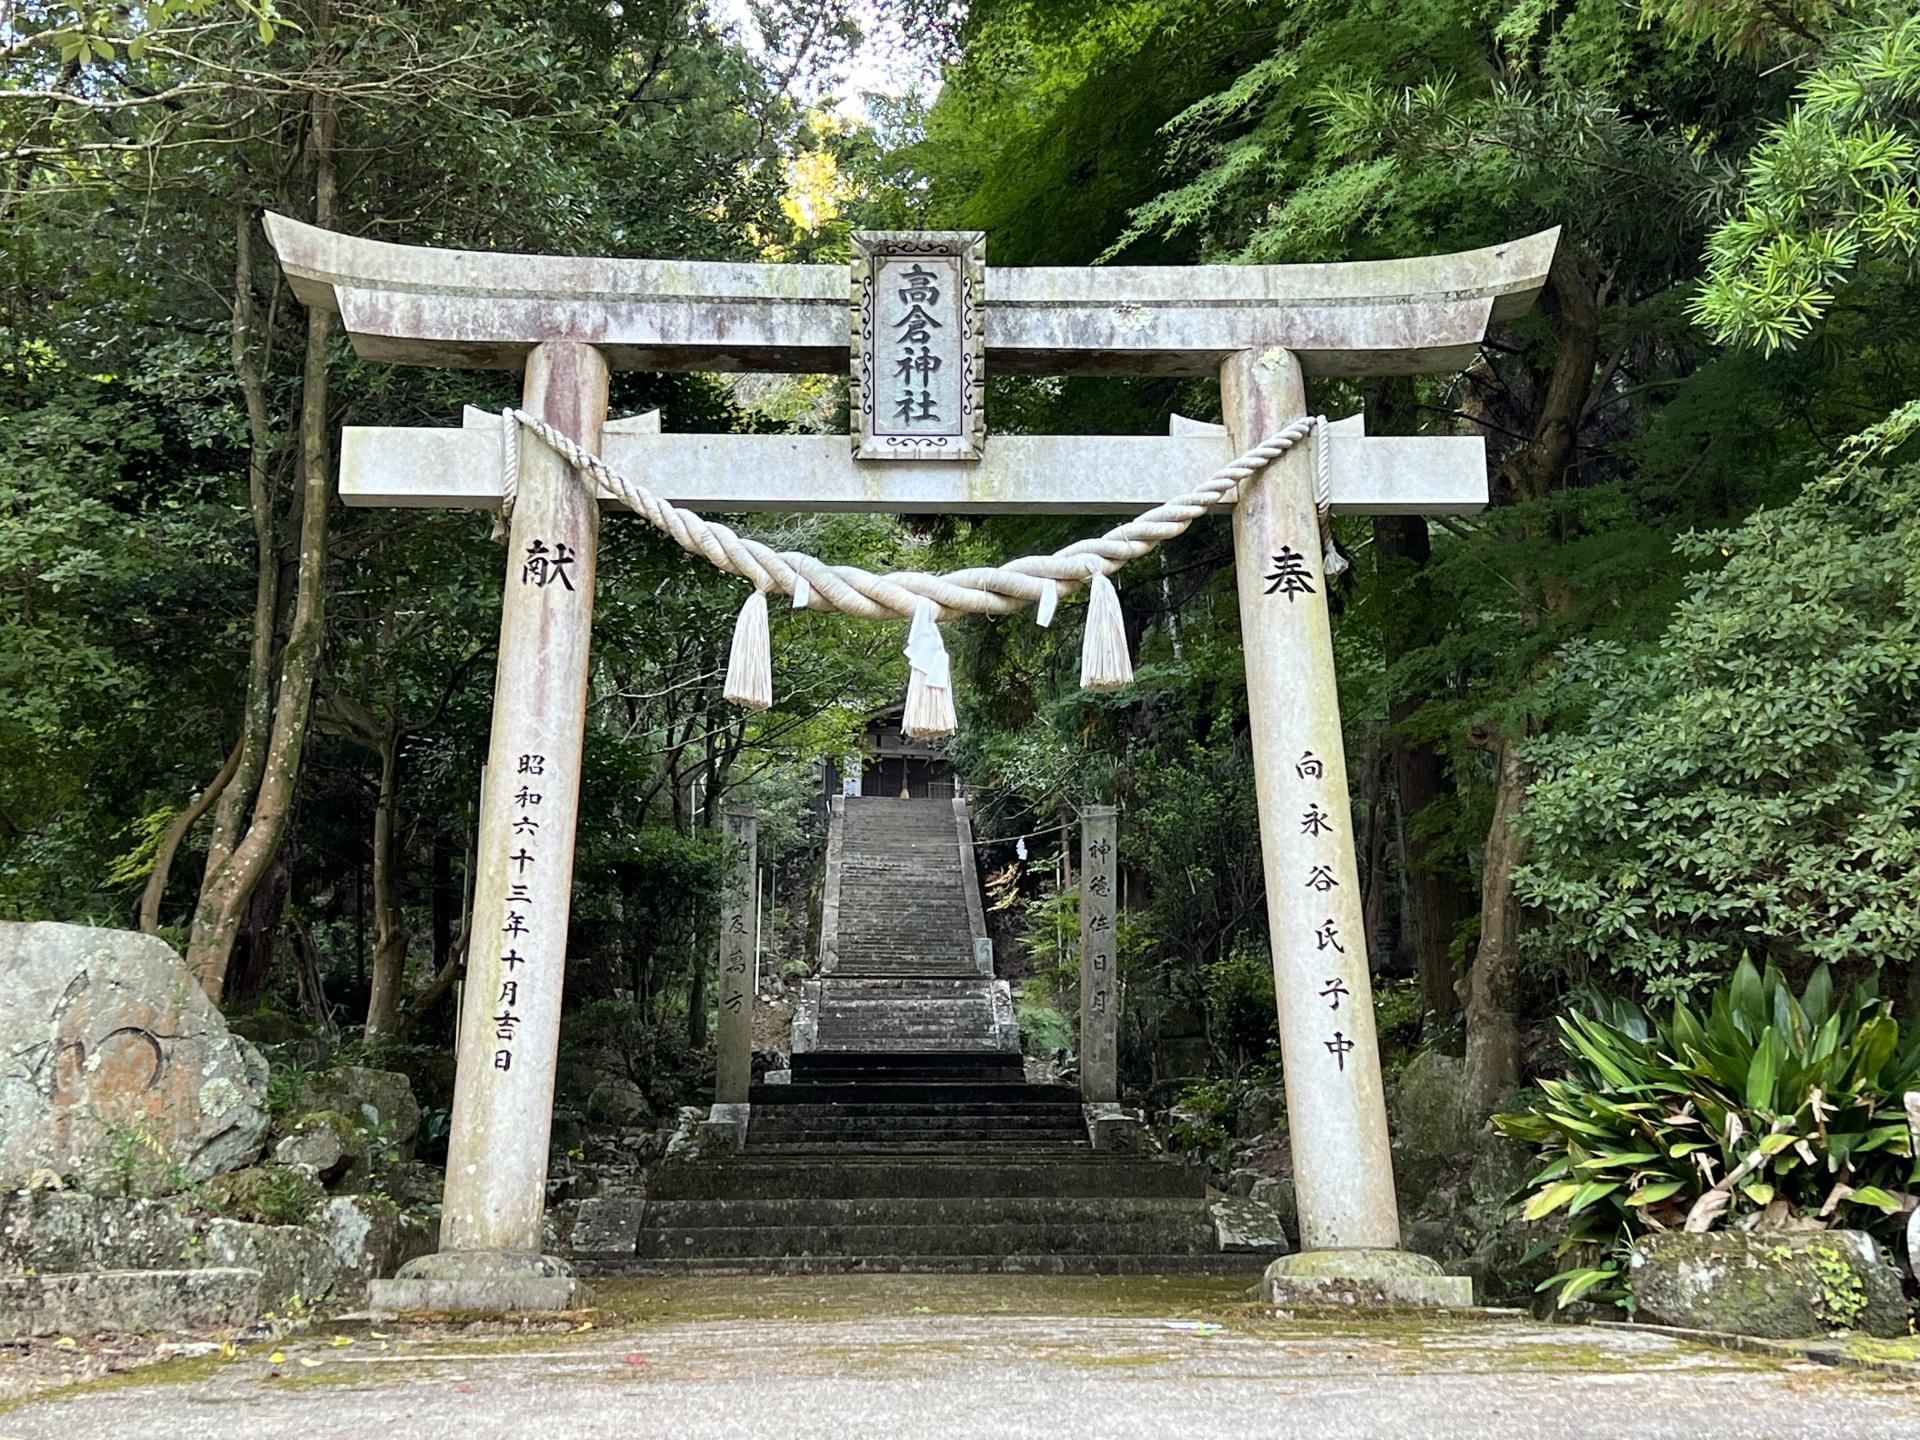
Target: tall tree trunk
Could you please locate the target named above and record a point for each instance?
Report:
(223, 898)
(1434, 902)
(156, 887)
(256, 713)
(390, 934)
(454, 966)
(1493, 1022)
(1531, 474)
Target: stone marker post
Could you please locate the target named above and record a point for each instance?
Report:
(492, 1223)
(739, 924)
(1336, 1107)
(1099, 957)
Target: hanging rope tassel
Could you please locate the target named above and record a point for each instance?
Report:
(930, 690)
(1104, 662)
(1049, 602)
(750, 666)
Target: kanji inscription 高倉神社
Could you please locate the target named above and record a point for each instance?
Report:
(917, 344)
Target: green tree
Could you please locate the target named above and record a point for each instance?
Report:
(1749, 783)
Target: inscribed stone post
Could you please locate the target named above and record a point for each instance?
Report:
(1099, 956)
(510, 1025)
(739, 925)
(1336, 1107)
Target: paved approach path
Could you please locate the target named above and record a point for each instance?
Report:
(901, 1357)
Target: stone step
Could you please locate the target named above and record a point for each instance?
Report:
(1084, 1173)
(1191, 1237)
(954, 967)
(810, 1103)
(85, 1302)
(921, 1065)
(1026, 1130)
(920, 1210)
(914, 1093)
(1224, 1263)
(884, 1043)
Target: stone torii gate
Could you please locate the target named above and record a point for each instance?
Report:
(567, 322)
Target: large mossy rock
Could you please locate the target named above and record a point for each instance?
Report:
(380, 1102)
(115, 1068)
(1788, 1285)
(1428, 1119)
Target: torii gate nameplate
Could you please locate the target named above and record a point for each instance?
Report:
(918, 345)
(1261, 329)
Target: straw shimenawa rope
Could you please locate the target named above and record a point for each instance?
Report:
(987, 590)
(914, 595)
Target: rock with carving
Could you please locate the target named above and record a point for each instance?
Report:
(116, 1071)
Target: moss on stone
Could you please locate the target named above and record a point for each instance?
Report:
(262, 1193)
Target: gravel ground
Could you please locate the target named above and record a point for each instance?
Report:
(831, 1371)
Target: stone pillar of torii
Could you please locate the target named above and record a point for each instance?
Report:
(919, 445)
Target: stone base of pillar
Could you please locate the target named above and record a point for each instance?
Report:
(486, 1281)
(1363, 1278)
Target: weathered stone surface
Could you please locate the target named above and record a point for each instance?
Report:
(114, 1064)
(133, 1301)
(1244, 1224)
(1278, 1195)
(293, 1260)
(441, 307)
(1913, 1243)
(380, 1101)
(1427, 1109)
(317, 1145)
(1429, 1125)
(608, 1227)
(1117, 1134)
(63, 1230)
(1339, 1140)
(1362, 1278)
(1779, 1285)
(481, 1281)
(1241, 1181)
(369, 1239)
(1259, 1112)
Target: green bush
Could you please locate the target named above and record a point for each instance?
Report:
(1752, 778)
(1768, 1109)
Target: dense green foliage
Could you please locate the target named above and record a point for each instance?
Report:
(1770, 1107)
(1749, 781)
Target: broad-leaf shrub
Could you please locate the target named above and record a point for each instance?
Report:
(1769, 1110)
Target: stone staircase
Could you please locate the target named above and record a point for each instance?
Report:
(905, 964)
(905, 1137)
(923, 1161)
(903, 897)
